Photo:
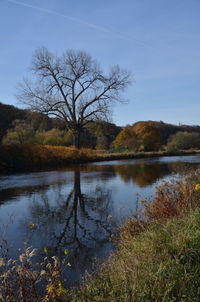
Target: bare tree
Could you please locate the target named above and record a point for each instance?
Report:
(72, 87)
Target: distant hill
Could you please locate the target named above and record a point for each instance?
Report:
(168, 129)
(8, 114)
(96, 132)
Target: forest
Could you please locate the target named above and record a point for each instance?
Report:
(22, 126)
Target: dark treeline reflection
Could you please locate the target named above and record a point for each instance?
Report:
(79, 222)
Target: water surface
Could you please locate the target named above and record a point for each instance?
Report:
(78, 208)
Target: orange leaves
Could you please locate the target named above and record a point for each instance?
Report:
(126, 137)
(142, 136)
(149, 134)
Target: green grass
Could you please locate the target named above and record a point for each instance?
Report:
(160, 264)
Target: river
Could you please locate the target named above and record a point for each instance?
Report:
(78, 208)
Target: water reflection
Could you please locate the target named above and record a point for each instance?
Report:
(142, 174)
(79, 222)
(78, 208)
(146, 173)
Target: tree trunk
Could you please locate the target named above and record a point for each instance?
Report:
(76, 138)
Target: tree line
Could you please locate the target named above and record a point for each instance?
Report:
(18, 126)
(154, 136)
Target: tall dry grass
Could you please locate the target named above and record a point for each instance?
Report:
(173, 198)
(35, 156)
(23, 280)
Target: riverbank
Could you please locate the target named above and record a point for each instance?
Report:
(158, 254)
(22, 157)
(161, 264)
(157, 257)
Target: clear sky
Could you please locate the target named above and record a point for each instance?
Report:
(157, 40)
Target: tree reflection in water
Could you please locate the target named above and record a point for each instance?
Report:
(69, 216)
(80, 223)
(146, 174)
(143, 174)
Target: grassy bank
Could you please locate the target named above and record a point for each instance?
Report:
(157, 257)
(20, 157)
(160, 264)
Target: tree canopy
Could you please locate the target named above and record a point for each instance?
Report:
(142, 136)
(183, 140)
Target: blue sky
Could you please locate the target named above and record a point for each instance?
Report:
(157, 40)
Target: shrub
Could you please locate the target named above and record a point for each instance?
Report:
(53, 137)
(21, 134)
(183, 141)
(25, 281)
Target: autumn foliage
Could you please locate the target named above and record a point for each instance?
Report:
(142, 136)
